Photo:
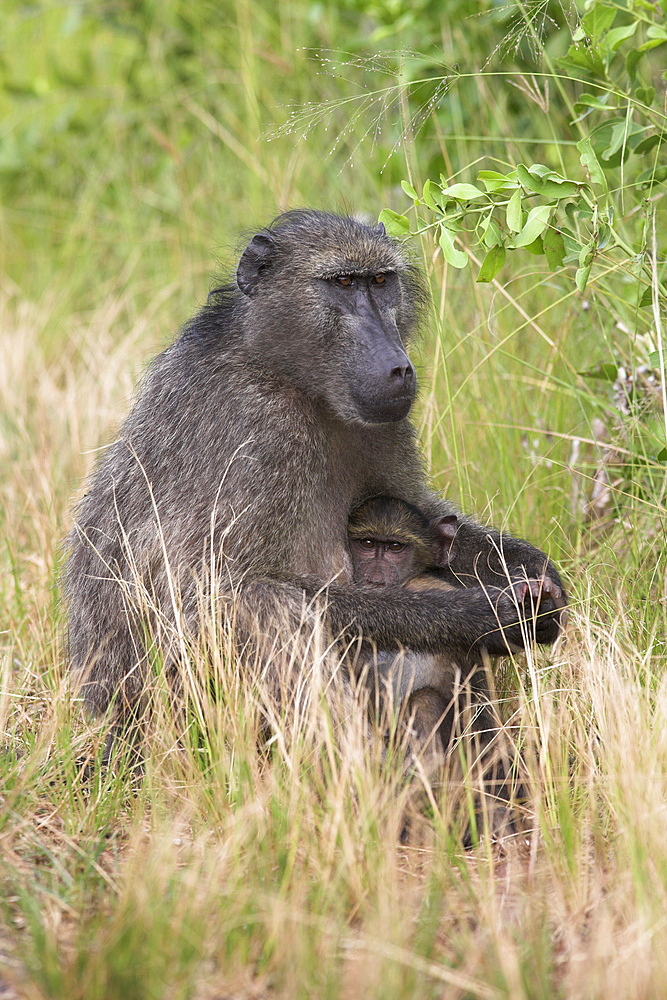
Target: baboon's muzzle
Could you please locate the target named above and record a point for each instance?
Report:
(385, 389)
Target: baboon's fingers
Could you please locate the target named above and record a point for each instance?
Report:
(521, 590)
(544, 591)
(550, 599)
(550, 589)
(544, 599)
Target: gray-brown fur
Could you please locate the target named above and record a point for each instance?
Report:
(280, 407)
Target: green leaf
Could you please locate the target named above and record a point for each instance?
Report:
(605, 372)
(614, 38)
(514, 213)
(396, 225)
(491, 264)
(536, 223)
(662, 455)
(590, 161)
(463, 192)
(618, 138)
(647, 144)
(428, 196)
(581, 277)
(591, 102)
(557, 187)
(653, 43)
(572, 246)
(410, 191)
(645, 95)
(587, 59)
(654, 357)
(554, 248)
(603, 237)
(491, 235)
(528, 180)
(586, 253)
(494, 181)
(614, 140)
(653, 176)
(540, 169)
(598, 20)
(536, 247)
(631, 62)
(453, 256)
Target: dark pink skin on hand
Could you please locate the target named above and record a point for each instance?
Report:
(541, 595)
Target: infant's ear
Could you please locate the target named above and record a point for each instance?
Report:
(444, 530)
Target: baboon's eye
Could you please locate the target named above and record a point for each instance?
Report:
(378, 279)
(367, 543)
(344, 279)
(395, 546)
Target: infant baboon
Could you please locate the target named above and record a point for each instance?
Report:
(392, 544)
(281, 406)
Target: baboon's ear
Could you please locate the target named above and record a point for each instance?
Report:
(444, 529)
(257, 258)
(380, 229)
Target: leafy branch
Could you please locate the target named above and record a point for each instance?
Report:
(568, 219)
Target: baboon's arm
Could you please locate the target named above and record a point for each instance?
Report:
(462, 620)
(479, 555)
(491, 557)
(482, 555)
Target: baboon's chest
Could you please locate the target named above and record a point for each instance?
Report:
(351, 470)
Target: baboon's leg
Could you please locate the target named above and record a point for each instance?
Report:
(127, 734)
(426, 711)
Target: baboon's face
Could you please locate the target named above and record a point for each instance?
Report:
(377, 376)
(382, 562)
(330, 305)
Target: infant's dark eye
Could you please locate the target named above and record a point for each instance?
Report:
(395, 546)
(344, 279)
(378, 279)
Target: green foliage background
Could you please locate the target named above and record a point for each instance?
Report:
(129, 124)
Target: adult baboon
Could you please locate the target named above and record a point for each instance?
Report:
(280, 407)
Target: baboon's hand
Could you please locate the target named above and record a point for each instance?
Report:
(543, 602)
(526, 611)
(500, 618)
